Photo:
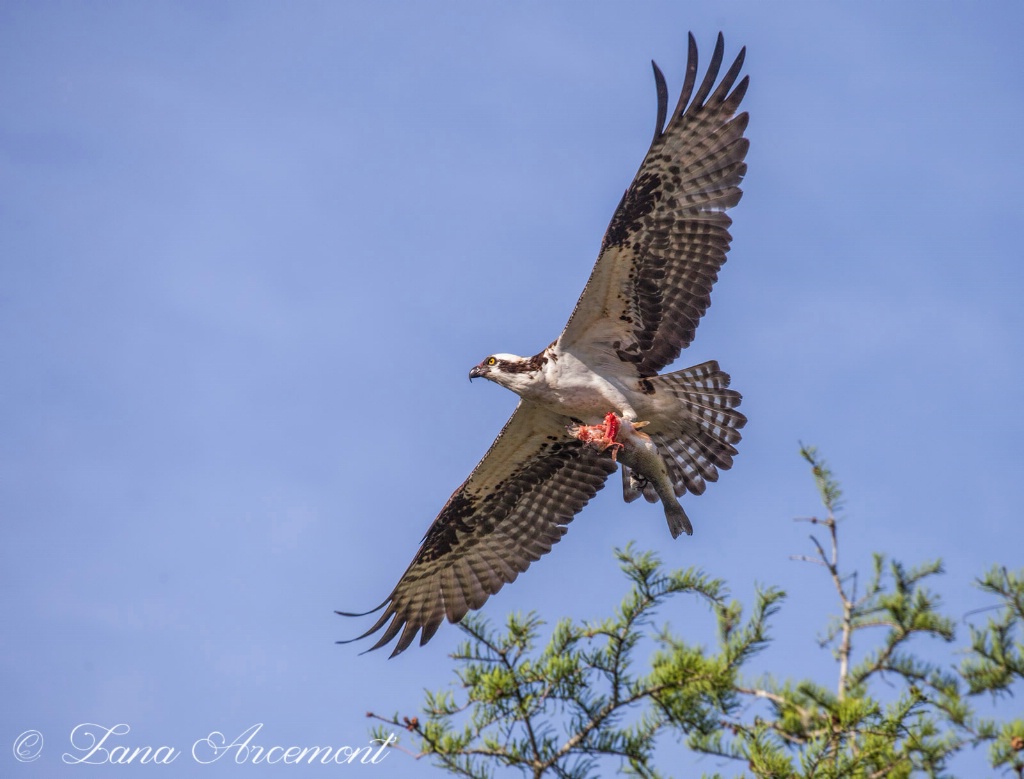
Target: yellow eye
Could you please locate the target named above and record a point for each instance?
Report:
(492, 361)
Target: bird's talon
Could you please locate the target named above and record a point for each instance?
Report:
(603, 436)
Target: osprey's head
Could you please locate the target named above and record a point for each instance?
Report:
(508, 370)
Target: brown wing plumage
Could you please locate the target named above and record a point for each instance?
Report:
(513, 507)
(669, 235)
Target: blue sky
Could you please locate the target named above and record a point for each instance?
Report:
(249, 252)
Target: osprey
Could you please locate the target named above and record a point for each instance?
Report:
(594, 399)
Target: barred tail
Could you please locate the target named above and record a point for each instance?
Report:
(700, 440)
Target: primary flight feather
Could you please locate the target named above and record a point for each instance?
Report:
(593, 399)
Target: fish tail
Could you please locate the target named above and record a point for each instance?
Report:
(678, 522)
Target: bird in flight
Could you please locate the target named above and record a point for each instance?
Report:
(593, 399)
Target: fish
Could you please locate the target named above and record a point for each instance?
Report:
(626, 443)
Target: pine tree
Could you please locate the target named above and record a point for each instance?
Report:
(584, 704)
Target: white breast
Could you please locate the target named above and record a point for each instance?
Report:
(568, 386)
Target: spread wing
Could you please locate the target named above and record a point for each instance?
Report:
(669, 235)
(513, 507)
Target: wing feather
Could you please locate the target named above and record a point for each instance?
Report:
(514, 506)
(669, 236)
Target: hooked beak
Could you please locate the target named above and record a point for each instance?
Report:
(477, 373)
